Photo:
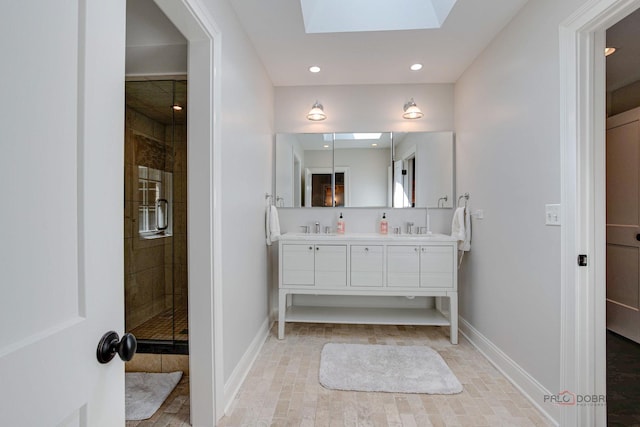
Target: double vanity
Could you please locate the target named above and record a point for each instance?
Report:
(363, 264)
(379, 171)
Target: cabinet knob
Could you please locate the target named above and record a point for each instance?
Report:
(317, 248)
(415, 249)
(366, 249)
(310, 248)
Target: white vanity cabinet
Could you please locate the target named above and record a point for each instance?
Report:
(319, 265)
(368, 265)
(424, 266)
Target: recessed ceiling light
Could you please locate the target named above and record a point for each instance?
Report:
(314, 69)
(609, 50)
(416, 67)
(374, 145)
(176, 107)
(325, 146)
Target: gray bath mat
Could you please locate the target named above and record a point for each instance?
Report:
(145, 392)
(387, 368)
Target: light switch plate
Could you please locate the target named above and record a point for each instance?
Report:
(552, 214)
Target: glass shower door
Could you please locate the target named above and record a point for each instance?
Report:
(155, 215)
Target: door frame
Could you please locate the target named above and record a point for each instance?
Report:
(582, 132)
(206, 379)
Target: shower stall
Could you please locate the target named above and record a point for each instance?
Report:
(155, 217)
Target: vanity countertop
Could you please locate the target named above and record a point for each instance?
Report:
(366, 236)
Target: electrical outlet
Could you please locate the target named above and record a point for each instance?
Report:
(478, 214)
(552, 214)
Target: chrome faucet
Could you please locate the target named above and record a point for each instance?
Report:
(409, 228)
(317, 227)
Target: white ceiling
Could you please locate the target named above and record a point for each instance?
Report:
(276, 29)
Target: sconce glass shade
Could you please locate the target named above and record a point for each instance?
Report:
(411, 110)
(317, 113)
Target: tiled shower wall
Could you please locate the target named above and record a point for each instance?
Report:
(155, 276)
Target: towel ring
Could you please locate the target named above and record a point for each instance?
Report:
(465, 196)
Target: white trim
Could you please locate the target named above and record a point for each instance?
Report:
(516, 375)
(582, 121)
(245, 364)
(197, 25)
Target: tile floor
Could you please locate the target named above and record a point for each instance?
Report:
(174, 412)
(282, 387)
(162, 326)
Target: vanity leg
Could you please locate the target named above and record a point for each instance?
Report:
(282, 309)
(453, 317)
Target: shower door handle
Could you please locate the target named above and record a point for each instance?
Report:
(110, 344)
(162, 221)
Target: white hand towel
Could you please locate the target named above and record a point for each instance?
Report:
(466, 245)
(457, 225)
(272, 224)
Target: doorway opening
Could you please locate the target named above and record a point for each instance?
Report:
(156, 273)
(623, 222)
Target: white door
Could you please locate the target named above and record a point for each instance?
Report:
(623, 224)
(61, 210)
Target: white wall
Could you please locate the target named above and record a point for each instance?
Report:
(247, 140)
(362, 108)
(508, 159)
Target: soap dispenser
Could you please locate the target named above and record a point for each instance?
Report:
(384, 225)
(340, 228)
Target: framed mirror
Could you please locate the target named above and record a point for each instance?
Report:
(365, 169)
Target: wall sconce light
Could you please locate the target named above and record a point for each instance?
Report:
(317, 113)
(411, 110)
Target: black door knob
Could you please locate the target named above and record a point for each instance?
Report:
(638, 237)
(110, 344)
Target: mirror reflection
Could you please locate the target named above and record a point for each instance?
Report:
(423, 169)
(373, 169)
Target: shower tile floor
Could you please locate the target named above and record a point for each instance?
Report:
(162, 326)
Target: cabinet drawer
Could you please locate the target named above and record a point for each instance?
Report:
(436, 266)
(367, 265)
(298, 265)
(403, 266)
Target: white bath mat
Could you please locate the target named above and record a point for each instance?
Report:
(387, 368)
(145, 392)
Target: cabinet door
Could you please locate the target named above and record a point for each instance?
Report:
(297, 265)
(366, 265)
(436, 266)
(331, 266)
(403, 266)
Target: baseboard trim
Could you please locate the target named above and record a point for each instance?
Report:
(240, 372)
(520, 378)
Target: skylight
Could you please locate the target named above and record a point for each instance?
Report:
(340, 16)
